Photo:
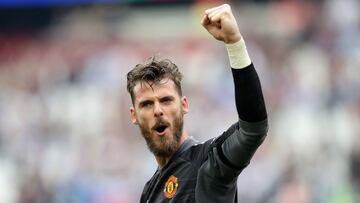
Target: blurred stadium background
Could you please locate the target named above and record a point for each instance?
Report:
(65, 133)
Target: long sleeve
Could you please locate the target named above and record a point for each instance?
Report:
(240, 145)
(249, 98)
(231, 152)
(236, 146)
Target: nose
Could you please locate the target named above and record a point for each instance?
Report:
(158, 112)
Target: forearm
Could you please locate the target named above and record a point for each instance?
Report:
(249, 99)
(240, 146)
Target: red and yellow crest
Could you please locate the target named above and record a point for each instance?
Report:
(171, 186)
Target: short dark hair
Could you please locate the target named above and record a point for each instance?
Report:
(152, 72)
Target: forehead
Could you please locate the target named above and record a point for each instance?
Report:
(164, 87)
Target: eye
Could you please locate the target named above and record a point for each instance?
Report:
(145, 104)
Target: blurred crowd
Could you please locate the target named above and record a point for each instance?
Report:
(65, 132)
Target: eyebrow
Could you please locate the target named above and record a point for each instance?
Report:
(167, 98)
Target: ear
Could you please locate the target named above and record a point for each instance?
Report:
(184, 104)
(133, 115)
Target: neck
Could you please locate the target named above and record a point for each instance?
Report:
(162, 161)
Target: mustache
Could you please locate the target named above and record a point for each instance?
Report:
(160, 123)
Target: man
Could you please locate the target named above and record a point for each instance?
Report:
(189, 171)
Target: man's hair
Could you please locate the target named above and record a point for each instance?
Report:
(152, 72)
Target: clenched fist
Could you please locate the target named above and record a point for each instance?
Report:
(220, 23)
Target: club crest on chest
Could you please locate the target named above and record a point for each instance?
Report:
(170, 187)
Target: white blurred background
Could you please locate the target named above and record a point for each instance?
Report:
(65, 132)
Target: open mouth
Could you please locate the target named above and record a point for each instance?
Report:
(160, 128)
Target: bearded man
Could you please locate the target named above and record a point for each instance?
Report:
(189, 171)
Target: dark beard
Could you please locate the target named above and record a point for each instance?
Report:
(167, 147)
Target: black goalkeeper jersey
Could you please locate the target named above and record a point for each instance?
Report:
(207, 172)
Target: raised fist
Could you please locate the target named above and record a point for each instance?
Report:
(221, 23)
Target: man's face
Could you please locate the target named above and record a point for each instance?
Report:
(158, 111)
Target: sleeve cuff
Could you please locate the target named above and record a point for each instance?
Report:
(238, 55)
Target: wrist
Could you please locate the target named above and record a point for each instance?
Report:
(238, 55)
(233, 39)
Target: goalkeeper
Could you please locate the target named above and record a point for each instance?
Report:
(189, 171)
